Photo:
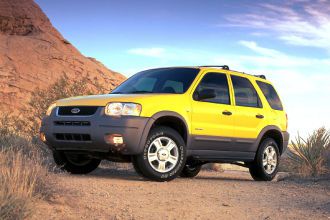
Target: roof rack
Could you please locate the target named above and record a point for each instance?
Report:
(225, 67)
(261, 76)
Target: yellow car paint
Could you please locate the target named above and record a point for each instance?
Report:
(202, 118)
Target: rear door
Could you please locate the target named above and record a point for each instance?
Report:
(249, 114)
(212, 122)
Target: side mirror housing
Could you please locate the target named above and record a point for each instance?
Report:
(204, 94)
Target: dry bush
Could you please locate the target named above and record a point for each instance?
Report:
(41, 99)
(23, 179)
(310, 157)
(24, 172)
(12, 137)
(25, 162)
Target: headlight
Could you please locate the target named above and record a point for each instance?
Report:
(50, 108)
(118, 108)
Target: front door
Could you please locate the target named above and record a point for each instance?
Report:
(212, 122)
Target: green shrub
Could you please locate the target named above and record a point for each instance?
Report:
(309, 157)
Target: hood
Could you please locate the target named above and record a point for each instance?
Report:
(102, 100)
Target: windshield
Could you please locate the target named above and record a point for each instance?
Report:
(165, 80)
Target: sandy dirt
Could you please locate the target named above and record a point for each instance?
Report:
(109, 193)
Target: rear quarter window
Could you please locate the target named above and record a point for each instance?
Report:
(271, 95)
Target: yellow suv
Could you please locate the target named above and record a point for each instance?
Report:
(171, 121)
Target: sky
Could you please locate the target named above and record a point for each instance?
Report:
(288, 41)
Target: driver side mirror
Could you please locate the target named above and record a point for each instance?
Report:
(204, 94)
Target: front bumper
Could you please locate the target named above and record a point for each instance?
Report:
(86, 133)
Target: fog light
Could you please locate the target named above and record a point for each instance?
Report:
(118, 140)
(42, 137)
(114, 139)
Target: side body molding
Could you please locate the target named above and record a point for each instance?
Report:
(252, 143)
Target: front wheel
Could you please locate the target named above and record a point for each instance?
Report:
(265, 165)
(164, 155)
(75, 163)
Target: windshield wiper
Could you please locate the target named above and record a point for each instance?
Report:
(141, 91)
(133, 92)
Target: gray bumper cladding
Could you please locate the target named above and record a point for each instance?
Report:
(286, 138)
(86, 133)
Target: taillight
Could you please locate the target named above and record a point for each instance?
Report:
(287, 121)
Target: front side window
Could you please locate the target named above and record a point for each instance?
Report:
(245, 94)
(218, 83)
(271, 95)
(164, 80)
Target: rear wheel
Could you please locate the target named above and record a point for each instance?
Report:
(75, 163)
(265, 165)
(190, 171)
(164, 155)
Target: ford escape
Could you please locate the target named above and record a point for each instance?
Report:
(170, 121)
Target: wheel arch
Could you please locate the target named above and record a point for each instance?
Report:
(273, 132)
(169, 119)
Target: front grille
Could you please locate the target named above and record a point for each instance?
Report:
(72, 123)
(72, 137)
(82, 110)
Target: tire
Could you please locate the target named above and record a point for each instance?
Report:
(190, 171)
(75, 163)
(164, 155)
(265, 167)
(136, 166)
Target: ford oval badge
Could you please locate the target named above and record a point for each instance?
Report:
(75, 110)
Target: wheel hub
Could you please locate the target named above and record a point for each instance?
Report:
(269, 159)
(163, 154)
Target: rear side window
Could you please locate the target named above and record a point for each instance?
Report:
(245, 94)
(271, 95)
(217, 82)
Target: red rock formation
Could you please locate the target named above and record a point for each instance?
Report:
(34, 54)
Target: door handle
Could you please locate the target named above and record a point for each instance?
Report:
(259, 116)
(227, 113)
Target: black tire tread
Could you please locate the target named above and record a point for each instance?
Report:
(143, 165)
(61, 160)
(256, 169)
(136, 166)
(188, 173)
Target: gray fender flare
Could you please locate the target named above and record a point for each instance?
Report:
(263, 132)
(151, 122)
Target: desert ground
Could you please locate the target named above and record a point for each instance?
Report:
(109, 193)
